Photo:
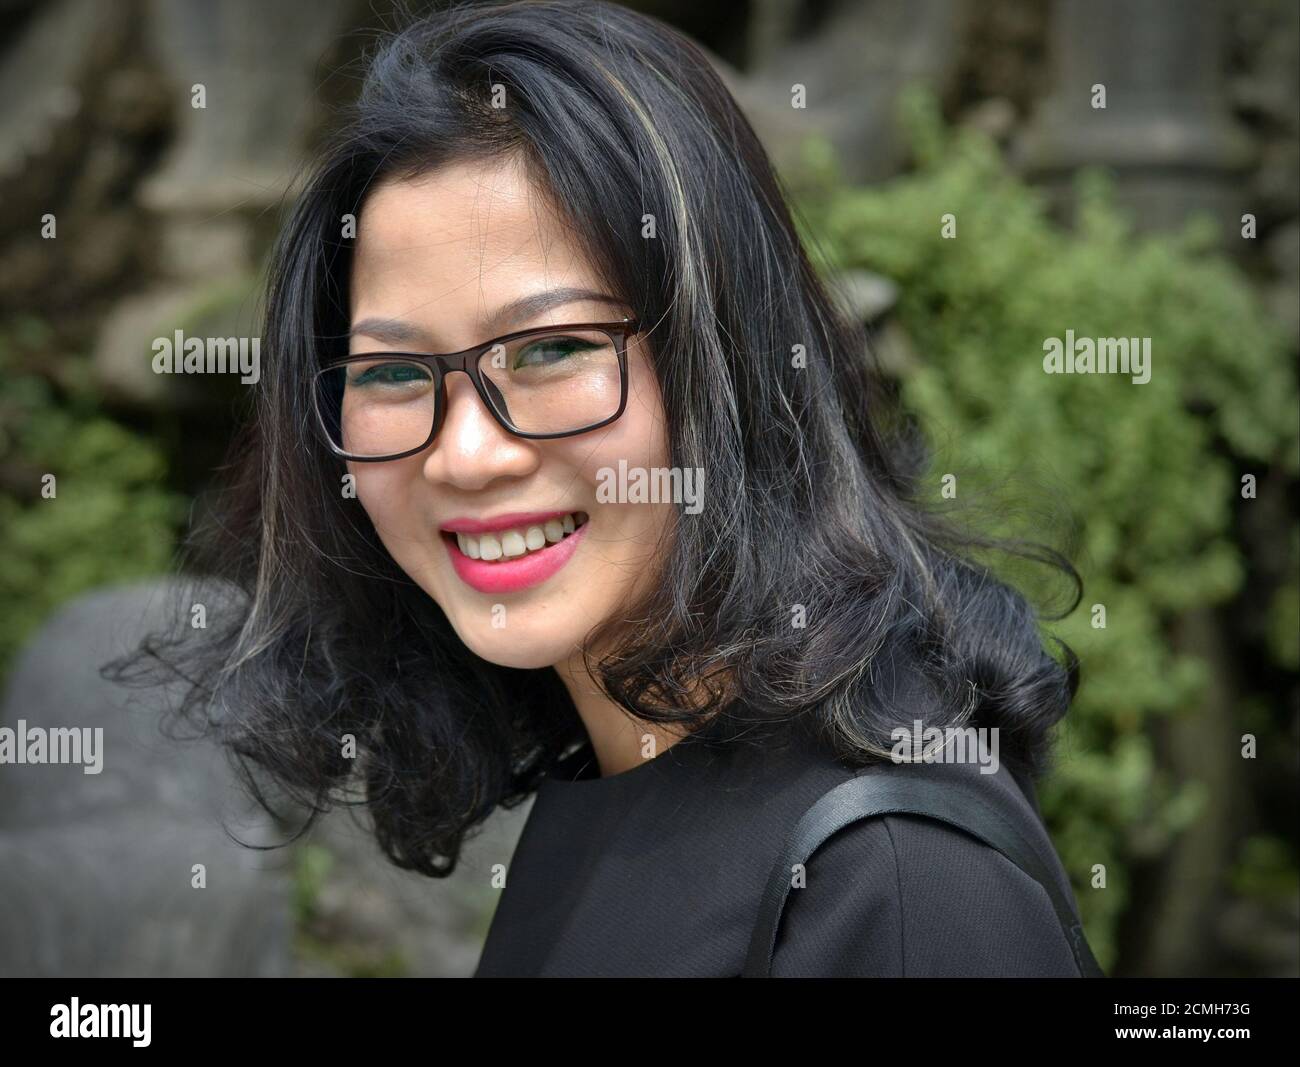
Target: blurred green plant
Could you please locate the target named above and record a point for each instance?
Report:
(312, 866)
(1149, 469)
(1264, 869)
(106, 516)
(318, 940)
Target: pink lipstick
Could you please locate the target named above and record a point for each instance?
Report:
(511, 552)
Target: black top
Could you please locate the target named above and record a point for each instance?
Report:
(658, 871)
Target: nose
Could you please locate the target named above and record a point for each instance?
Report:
(472, 450)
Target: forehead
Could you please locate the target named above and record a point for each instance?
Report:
(460, 241)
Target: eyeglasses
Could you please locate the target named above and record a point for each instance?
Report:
(552, 381)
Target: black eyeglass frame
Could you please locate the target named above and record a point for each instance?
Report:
(467, 360)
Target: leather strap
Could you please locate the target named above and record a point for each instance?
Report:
(868, 795)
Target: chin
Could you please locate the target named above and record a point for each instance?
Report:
(510, 647)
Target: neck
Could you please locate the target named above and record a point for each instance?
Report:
(619, 741)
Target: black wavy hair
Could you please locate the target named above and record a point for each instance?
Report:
(814, 471)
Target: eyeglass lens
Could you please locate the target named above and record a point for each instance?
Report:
(559, 382)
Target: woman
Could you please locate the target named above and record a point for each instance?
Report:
(567, 478)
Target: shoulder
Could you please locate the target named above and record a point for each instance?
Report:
(910, 896)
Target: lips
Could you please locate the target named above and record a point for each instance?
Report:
(520, 538)
(512, 552)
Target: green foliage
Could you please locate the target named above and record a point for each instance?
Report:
(109, 518)
(312, 867)
(318, 940)
(1148, 469)
(1264, 870)
(1284, 613)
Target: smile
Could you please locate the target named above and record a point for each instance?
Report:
(514, 552)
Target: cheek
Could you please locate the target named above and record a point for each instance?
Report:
(627, 530)
(640, 436)
(382, 491)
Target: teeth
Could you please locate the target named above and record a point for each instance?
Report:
(468, 545)
(511, 544)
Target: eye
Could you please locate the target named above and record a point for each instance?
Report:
(386, 374)
(547, 351)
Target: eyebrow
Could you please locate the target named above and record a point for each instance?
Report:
(400, 332)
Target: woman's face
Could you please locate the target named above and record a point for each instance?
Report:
(438, 261)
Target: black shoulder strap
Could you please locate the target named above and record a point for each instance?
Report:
(868, 795)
